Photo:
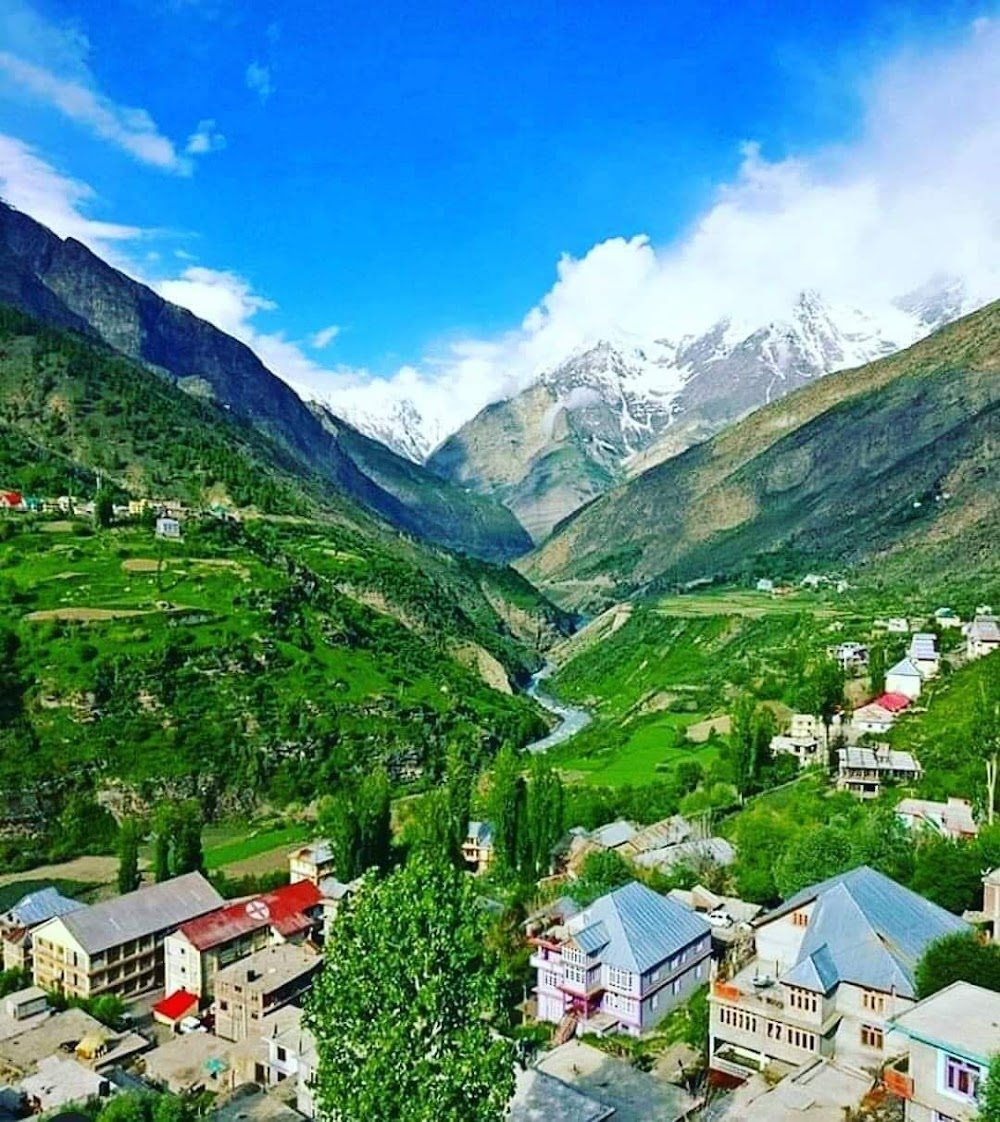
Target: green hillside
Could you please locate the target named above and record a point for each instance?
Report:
(894, 461)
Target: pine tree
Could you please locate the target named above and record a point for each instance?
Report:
(544, 815)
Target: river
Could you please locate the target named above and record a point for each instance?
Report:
(571, 719)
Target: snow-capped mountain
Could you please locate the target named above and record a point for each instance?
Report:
(620, 405)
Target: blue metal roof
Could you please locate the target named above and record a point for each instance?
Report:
(614, 834)
(873, 929)
(45, 904)
(641, 927)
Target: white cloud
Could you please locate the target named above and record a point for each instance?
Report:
(325, 337)
(205, 138)
(50, 63)
(32, 185)
(863, 223)
(221, 297)
(258, 78)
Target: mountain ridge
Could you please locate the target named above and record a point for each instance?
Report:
(63, 283)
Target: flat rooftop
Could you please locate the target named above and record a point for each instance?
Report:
(190, 1061)
(820, 1091)
(22, 1053)
(543, 1098)
(269, 969)
(961, 1017)
(635, 1096)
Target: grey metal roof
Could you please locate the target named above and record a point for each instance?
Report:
(482, 832)
(614, 834)
(143, 912)
(642, 927)
(718, 851)
(873, 929)
(816, 971)
(39, 906)
(905, 669)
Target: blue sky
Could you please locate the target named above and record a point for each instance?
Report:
(412, 174)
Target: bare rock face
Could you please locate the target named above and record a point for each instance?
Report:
(64, 284)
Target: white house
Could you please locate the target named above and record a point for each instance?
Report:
(982, 637)
(923, 653)
(168, 528)
(904, 678)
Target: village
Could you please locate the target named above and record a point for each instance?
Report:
(813, 1006)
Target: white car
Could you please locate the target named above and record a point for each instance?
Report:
(191, 1024)
(719, 917)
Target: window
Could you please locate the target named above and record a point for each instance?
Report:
(654, 1002)
(939, 1117)
(800, 919)
(676, 961)
(775, 1030)
(621, 979)
(873, 1001)
(803, 999)
(550, 980)
(677, 985)
(738, 1018)
(574, 975)
(700, 971)
(800, 1039)
(871, 1037)
(960, 1078)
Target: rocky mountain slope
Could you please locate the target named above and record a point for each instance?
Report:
(620, 406)
(893, 459)
(64, 284)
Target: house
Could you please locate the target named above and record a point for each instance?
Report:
(862, 771)
(610, 1085)
(699, 854)
(805, 749)
(168, 528)
(728, 916)
(952, 819)
(332, 894)
(850, 656)
(982, 637)
(614, 835)
(765, 584)
(176, 1007)
(923, 653)
(879, 715)
(539, 1097)
(60, 1081)
(116, 946)
(478, 847)
(947, 617)
(949, 1039)
(831, 966)
(259, 984)
(285, 1051)
(990, 915)
(196, 1061)
(312, 862)
(198, 949)
(11, 500)
(622, 963)
(18, 923)
(73, 1033)
(896, 625)
(24, 1004)
(668, 831)
(904, 678)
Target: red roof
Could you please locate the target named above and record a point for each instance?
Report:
(892, 702)
(11, 498)
(283, 909)
(176, 1006)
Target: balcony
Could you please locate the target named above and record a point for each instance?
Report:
(896, 1078)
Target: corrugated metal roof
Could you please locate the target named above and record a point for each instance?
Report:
(905, 669)
(614, 834)
(143, 912)
(642, 927)
(481, 832)
(283, 909)
(873, 929)
(37, 907)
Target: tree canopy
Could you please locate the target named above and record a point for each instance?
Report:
(401, 1013)
(958, 958)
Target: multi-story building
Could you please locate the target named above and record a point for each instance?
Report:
(250, 989)
(312, 862)
(199, 949)
(949, 1039)
(622, 962)
(116, 946)
(30, 912)
(477, 849)
(830, 968)
(862, 771)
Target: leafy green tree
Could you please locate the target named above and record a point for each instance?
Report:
(186, 855)
(506, 810)
(988, 1105)
(884, 842)
(948, 872)
(960, 957)
(602, 872)
(161, 854)
(339, 825)
(750, 735)
(458, 804)
(104, 509)
(373, 809)
(129, 837)
(543, 815)
(815, 854)
(876, 668)
(401, 1012)
(760, 838)
(823, 694)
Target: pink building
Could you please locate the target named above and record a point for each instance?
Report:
(621, 963)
